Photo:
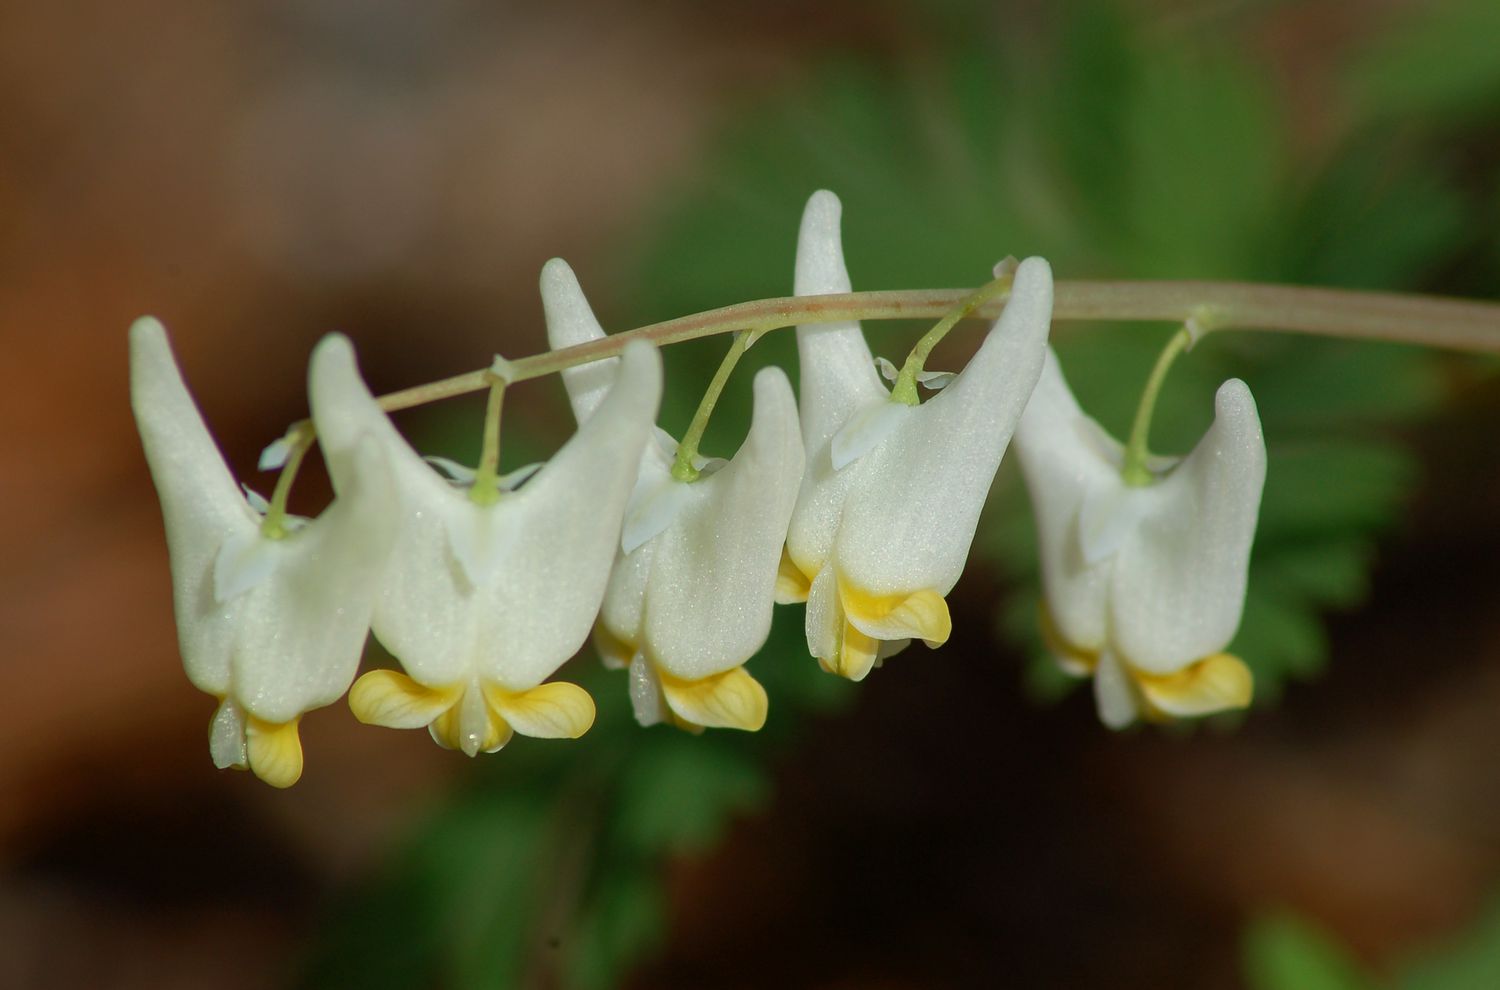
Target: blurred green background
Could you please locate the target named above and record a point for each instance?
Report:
(260, 175)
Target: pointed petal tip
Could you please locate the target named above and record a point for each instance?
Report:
(820, 268)
(569, 317)
(1234, 399)
(146, 329)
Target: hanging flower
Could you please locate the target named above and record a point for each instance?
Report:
(272, 627)
(691, 593)
(481, 603)
(892, 492)
(1144, 585)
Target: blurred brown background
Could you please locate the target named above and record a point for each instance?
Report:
(259, 174)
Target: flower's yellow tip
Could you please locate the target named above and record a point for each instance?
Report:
(920, 615)
(470, 727)
(274, 751)
(1214, 684)
(614, 652)
(550, 711)
(730, 700)
(792, 583)
(391, 699)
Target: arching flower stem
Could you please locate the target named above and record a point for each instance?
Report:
(687, 450)
(1455, 324)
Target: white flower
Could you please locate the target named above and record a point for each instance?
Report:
(892, 493)
(482, 603)
(272, 627)
(1144, 585)
(691, 593)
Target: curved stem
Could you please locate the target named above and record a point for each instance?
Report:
(1136, 450)
(1428, 320)
(687, 450)
(486, 487)
(273, 526)
(905, 388)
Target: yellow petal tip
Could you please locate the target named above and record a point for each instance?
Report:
(274, 751)
(558, 710)
(729, 700)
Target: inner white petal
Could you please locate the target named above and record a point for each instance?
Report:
(866, 430)
(244, 561)
(887, 369)
(1110, 513)
(654, 505)
(645, 691)
(1114, 693)
(478, 540)
(226, 736)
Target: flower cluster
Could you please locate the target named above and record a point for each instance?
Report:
(862, 504)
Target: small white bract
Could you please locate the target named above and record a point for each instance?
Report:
(1144, 585)
(891, 494)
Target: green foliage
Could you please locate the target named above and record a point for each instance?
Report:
(1283, 952)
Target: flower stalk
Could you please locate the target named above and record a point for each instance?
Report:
(683, 468)
(1432, 321)
(1137, 449)
(905, 388)
(486, 487)
(273, 525)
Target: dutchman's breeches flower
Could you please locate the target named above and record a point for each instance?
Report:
(485, 597)
(271, 623)
(692, 590)
(1144, 584)
(892, 492)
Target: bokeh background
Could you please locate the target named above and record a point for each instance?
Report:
(260, 174)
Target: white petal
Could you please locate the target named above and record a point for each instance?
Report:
(1114, 693)
(645, 692)
(837, 372)
(571, 321)
(302, 630)
(201, 504)
(712, 585)
(1178, 586)
(908, 523)
(1063, 459)
(865, 430)
(825, 615)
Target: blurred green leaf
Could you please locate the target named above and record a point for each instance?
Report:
(1470, 962)
(1282, 952)
(1435, 61)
